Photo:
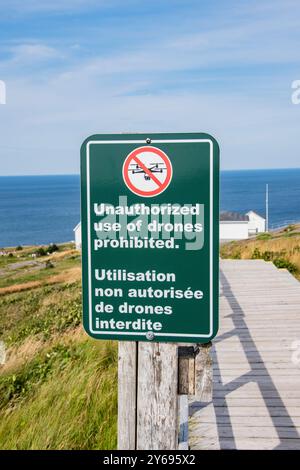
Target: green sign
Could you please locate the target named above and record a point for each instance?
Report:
(150, 237)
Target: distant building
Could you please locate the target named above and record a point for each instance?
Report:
(77, 232)
(233, 226)
(257, 223)
(236, 226)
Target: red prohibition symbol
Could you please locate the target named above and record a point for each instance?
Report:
(147, 171)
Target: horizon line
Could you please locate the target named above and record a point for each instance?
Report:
(221, 171)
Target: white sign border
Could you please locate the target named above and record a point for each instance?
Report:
(164, 141)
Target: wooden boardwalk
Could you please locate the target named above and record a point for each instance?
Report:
(256, 400)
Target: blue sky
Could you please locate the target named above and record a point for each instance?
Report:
(78, 67)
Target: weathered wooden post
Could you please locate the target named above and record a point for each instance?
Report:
(186, 387)
(157, 396)
(155, 381)
(204, 373)
(148, 409)
(127, 394)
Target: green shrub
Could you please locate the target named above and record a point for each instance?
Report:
(19, 248)
(289, 228)
(282, 263)
(267, 255)
(256, 254)
(264, 236)
(291, 234)
(40, 252)
(52, 248)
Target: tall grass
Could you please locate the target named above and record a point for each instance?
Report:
(74, 406)
(58, 388)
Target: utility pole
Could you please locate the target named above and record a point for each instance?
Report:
(267, 207)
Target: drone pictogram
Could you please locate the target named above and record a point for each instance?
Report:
(153, 168)
(147, 171)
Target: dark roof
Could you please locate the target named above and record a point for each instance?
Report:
(233, 216)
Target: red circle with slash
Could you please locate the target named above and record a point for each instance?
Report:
(147, 171)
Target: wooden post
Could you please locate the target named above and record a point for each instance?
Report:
(186, 387)
(183, 437)
(148, 409)
(127, 375)
(186, 370)
(204, 373)
(157, 412)
(155, 380)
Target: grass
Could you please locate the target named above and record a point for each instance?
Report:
(282, 248)
(58, 387)
(64, 399)
(38, 272)
(43, 312)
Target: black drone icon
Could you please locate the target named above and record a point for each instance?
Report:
(154, 168)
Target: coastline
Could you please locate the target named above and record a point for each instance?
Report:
(45, 209)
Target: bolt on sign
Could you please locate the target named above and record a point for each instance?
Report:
(150, 236)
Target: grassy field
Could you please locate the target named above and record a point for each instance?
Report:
(58, 387)
(281, 247)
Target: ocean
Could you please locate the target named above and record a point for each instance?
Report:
(45, 209)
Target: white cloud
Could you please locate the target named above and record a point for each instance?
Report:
(238, 42)
(53, 121)
(33, 52)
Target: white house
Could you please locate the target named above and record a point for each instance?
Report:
(77, 232)
(236, 226)
(257, 223)
(233, 226)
